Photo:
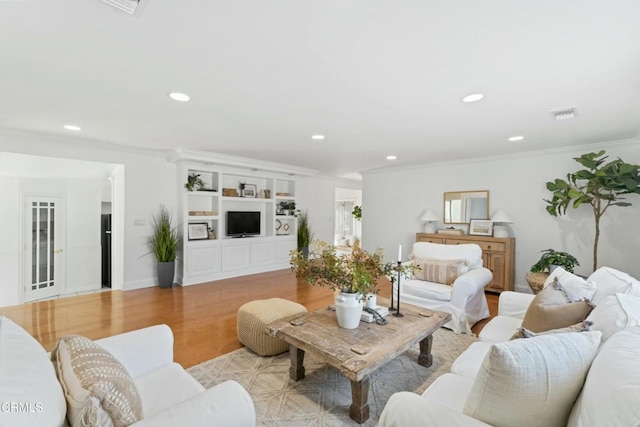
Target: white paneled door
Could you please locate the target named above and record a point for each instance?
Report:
(44, 219)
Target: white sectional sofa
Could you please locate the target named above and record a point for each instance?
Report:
(606, 381)
(31, 395)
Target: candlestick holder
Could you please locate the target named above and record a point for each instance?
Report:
(393, 280)
(397, 313)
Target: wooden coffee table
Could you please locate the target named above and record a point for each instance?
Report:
(357, 353)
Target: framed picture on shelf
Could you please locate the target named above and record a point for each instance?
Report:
(198, 231)
(249, 190)
(481, 227)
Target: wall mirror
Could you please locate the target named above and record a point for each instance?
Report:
(460, 207)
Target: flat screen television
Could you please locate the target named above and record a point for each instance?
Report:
(241, 223)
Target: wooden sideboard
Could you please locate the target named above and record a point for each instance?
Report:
(498, 255)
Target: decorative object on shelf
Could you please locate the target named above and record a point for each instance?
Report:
(287, 207)
(357, 213)
(551, 258)
(500, 219)
(283, 194)
(249, 190)
(279, 227)
(164, 243)
(203, 213)
(194, 182)
(600, 185)
(354, 276)
(481, 227)
(198, 231)
(305, 233)
(212, 234)
(267, 194)
(429, 217)
(230, 192)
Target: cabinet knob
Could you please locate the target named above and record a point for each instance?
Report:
(489, 247)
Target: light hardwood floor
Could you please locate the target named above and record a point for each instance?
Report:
(202, 317)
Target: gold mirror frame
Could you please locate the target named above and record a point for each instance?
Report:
(460, 207)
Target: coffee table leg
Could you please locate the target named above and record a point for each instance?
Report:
(359, 410)
(426, 358)
(296, 370)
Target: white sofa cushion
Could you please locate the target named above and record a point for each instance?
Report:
(27, 378)
(469, 362)
(164, 387)
(615, 313)
(611, 391)
(532, 382)
(610, 281)
(449, 390)
(470, 252)
(405, 409)
(427, 290)
(499, 329)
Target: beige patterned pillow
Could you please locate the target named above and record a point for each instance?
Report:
(554, 308)
(584, 326)
(98, 388)
(437, 270)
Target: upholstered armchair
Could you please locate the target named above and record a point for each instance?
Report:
(450, 278)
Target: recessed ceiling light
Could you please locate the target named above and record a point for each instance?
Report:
(516, 138)
(72, 127)
(391, 157)
(474, 97)
(177, 96)
(318, 137)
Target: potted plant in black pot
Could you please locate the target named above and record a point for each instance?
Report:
(305, 234)
(164, 243)
(549, 260)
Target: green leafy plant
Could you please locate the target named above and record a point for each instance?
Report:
(552, 257)
(288, 205)
(601, 185)
(305, 233)
(194, 182)
(355, 273)
(164, 241)
(357, 213)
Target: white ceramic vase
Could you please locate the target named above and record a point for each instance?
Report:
(348, 310)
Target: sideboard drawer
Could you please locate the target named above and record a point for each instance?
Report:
(485, 246)
(430, 239)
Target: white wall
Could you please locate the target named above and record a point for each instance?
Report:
(394, 201)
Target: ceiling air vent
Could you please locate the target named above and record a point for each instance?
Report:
(132, 7)
(564, 114)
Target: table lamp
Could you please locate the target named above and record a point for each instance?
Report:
(429, 217)
(500, 219)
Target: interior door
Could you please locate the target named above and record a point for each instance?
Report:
(44, 247)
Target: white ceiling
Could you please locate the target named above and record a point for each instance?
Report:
(377, 77)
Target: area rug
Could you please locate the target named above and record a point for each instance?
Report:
(323, 397)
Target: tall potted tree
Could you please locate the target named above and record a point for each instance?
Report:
(305, 234)
(164, 243)
(600, 186)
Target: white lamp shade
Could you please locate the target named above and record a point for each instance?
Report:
(429, 216)
(501, 217)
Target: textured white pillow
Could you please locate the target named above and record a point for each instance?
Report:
(576, 287)
(532, 382)
(615, 313)
(610, 281)
(611, 391)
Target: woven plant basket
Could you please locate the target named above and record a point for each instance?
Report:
(536, 280)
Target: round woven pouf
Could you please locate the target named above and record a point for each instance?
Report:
(536, 280)
(254, 319)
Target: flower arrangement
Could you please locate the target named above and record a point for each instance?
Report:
(355, 273)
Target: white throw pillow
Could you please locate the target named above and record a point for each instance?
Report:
(532, 382)
(615, 313)
(576, 287)
(611, 391)
(610, 281)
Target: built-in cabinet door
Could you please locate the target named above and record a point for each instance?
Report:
(203, 258)
(236, 254)
(496, 263)
(284, 246)
(262, 252)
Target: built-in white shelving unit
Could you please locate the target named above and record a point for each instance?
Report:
(215, 255)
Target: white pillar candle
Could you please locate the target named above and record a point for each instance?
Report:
(399, 253)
